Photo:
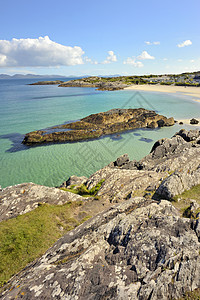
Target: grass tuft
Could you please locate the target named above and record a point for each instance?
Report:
(182, 201)
(83, 191)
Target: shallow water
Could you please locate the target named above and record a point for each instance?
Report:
(24, 108)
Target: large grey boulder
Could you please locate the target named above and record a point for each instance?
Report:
(137, 250)
(178, 182)
(188, 136)
(74, 180)
(166, 147)
(122, 160)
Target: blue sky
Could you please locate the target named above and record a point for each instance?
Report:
(99, 37)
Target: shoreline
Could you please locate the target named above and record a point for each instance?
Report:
(193, 92)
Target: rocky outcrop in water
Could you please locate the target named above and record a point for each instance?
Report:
(102, 84)
(96, 125)
(49, 82)
(96, 82)
(194, 121)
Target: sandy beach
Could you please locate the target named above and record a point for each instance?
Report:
(193, 92)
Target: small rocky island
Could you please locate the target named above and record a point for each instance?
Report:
(49, 82)
(97, 125)
(101, 83)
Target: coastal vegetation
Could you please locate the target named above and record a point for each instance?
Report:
(28, 236)
(183, 202)
(83, 191)
(120, 82)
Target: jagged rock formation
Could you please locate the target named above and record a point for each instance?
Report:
(137, 250)
(96, 125)
(140, 249)
(156, 172)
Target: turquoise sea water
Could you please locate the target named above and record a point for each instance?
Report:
(24, 108)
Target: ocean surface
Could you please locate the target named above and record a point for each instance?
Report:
(25, 108)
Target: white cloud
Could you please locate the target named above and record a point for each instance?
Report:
(152, 43)
(145, 55)
(192, 60)
(185, 43)
(133, 62)
(37, 53)
(110, 58)
(165, 59)
(89, 60)
(180, 60)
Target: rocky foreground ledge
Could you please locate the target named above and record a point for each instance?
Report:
(140, 248)
(96, 125)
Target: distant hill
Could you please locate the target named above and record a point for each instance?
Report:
(33, 76)
(29, 76)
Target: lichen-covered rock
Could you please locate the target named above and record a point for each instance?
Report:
(140, 249)
(24, 197)
(171, 154)
(137, 250)
(120, 183)
(178, 182)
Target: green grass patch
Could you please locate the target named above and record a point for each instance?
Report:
(195, 295)
(83, 191)
(27, 237)
(193, 193)
(182, 201)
